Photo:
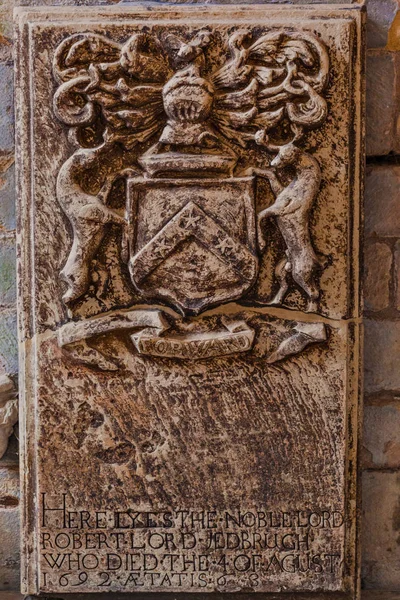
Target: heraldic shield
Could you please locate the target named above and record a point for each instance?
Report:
(192, 242)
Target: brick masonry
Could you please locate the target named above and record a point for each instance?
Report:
(381, 442)
(381, 453)
(380, 539)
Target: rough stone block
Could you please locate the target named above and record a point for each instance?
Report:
(9, 487)
(8, 341)
(382, 102)
(382, 205)
(9, 528)
(381, 441)
(7, 272)
(381, 530)
(9, 548)
(381, 356)
(7, 198)
(381, 16)
(5, 49)
(377, 276)
(6, 108)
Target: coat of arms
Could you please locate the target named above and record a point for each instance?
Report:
(196, 126)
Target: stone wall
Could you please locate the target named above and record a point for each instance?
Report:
(381, 453)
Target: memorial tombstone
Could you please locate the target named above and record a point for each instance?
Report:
(189, 183)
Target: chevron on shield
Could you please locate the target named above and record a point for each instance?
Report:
(192, 242)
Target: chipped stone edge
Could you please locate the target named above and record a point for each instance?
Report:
(356, 331)
(25, 310)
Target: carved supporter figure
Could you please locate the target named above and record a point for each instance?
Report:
(89, 216)
(292, 210)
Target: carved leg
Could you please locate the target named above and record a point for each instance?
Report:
(304, 273)
(282, 271)
(89, 231)
(87, 239)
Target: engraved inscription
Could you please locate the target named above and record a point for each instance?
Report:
(197, 550)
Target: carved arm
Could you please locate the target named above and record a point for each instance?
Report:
(269, 174)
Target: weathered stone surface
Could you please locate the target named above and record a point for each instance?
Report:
(382, 215)
(5, 49)
(365, 595)
(8, 342)
(11, 456)
(9, 487)
(190, 304)
(7, 195)
(9, 528)
(9, 548)
(381, 439)
(6, 108)
(377, 275)
(382, 102)
(7, 271)
(381, 352)
(380, 534)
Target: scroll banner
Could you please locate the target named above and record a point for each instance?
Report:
(235, 337)
(147, 327)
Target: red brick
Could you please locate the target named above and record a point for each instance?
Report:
(377, 276)
(397, 273)
(382, 101)
(381, 440)
(382, 202)
(381, 355)
(381, 530)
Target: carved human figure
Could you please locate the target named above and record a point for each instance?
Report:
(291, 209)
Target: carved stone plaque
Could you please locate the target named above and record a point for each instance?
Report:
(189, 191)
